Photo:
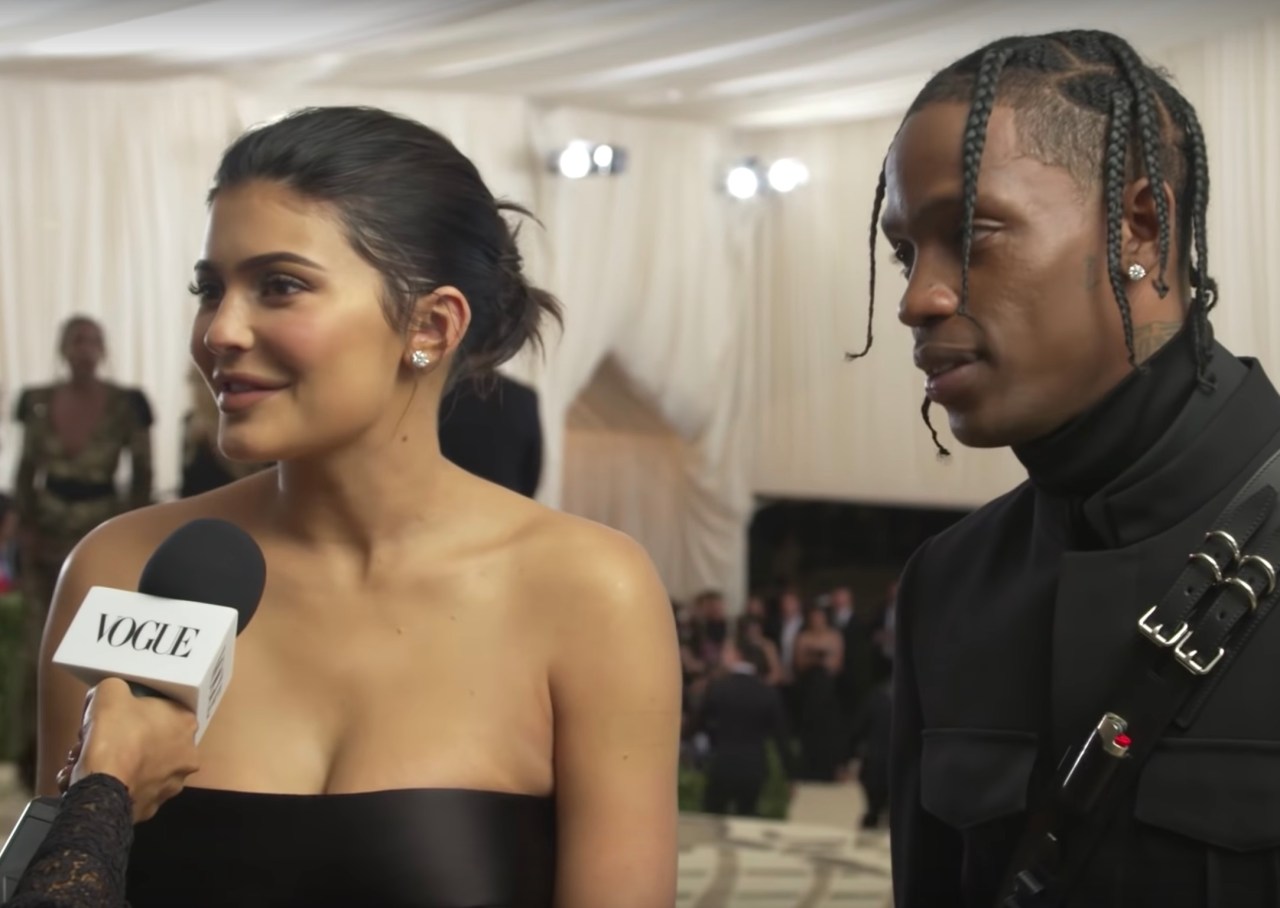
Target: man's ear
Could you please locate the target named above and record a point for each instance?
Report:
(1140, 231)
(436, 326)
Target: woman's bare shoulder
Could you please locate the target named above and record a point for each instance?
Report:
(115, 552)
(583, 565)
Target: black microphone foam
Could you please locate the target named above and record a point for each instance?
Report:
(208, 560)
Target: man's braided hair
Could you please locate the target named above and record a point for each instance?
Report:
(1085, 100)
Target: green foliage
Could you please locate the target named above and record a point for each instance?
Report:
(11, 621)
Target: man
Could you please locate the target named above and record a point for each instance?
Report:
(742, 713)
(1046, 197)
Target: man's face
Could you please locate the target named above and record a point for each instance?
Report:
(1042, 338)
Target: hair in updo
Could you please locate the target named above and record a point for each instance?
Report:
(416, 209)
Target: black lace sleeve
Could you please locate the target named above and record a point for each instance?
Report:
(82, 862)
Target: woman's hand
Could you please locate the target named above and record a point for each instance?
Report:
(145, 742)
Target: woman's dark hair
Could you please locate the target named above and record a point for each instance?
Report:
(1086, 101)
(753, 655)
(415, 208)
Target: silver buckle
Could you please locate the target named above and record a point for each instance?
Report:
(1232, 545)
(1152, 633)
(1268, 571)
(1187, 659)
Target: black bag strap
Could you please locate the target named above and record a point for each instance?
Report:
(1190, 638)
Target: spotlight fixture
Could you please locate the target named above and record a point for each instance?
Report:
(743, 182)
(581, 159)
(750, 177)
(786, 174)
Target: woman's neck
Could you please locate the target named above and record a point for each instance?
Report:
(366, 496)
(83, 384)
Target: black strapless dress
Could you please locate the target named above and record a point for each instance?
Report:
(411, 848)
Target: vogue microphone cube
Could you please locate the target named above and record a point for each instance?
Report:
(176, 635)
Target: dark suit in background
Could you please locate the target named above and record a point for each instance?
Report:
(497, 435)
(742, 713)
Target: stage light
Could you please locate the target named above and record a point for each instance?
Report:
(786, 174)
(742, 182)
(581, 159)
(575, 161)
(751, 177)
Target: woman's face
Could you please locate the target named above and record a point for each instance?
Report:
(290, 332)
(818, 620)
(83, 347)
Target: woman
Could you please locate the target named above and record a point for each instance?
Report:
(488, 690)
(819, 655)
(751, 629)
(73, 435)
(133, 754)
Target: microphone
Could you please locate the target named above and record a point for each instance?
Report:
(175, 638)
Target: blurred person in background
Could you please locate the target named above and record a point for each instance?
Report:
(819, 656)
(741, 714)
(74, 434)
(751, 630)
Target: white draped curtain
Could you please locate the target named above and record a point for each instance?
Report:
(102, 191)
(702, 360)
(650, 267)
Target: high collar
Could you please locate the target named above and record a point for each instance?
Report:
(1080, 457)
(1115, 487)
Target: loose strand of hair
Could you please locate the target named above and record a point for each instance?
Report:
(875, 230)
(937, 443)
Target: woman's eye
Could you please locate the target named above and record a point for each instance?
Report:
(207, 292)
(281, 285)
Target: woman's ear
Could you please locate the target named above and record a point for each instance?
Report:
(436, 327)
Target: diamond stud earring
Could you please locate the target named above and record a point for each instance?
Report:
(419, 359)
(1137, 272)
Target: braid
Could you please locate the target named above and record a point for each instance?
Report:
(1151, 133)
(1114, 169)
(924, 412)
(975, 139)
(875, 230)
(1205, 288)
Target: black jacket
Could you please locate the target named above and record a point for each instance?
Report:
(742, 714)
(1014, 625)
(496, 435)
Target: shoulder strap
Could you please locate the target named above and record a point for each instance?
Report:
(1187, 643)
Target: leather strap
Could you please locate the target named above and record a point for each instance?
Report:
(1193, 635)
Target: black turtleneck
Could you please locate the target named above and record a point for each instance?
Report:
(1016, 625)
(1081, 457)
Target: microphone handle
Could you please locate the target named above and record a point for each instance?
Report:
(141, 690)
(23, 842)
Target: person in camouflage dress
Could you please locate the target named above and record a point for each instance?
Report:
(74, 433)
